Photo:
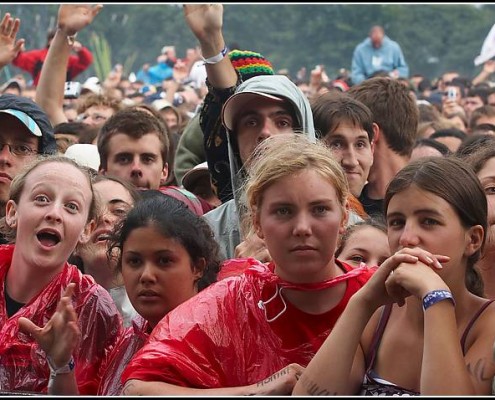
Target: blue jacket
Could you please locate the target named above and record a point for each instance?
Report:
(367, 60)
(159, 72)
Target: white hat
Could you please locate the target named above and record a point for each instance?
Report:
(84, 154)
(93, 84)
(160, 104)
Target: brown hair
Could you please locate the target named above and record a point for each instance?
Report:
(394, 110)
(483, 111)
(441, 176)
(93, 99)
(334, 108)
(134, 123)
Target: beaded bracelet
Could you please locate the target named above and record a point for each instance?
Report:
(435, 296)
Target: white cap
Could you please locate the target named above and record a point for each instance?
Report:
(191, 176)
(93, 84)
(84, 154)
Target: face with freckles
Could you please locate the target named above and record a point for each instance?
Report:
(51, 215)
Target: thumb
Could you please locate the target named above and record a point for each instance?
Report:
(28, 327)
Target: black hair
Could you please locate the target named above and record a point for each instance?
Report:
(450, 132)
(176, 221)
(443, 149)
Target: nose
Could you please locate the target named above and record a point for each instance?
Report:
(349, 159)
(53, 213)
(147, 274)
(302, 224)
(5, 154)
(267, 130)
(409, 236)
(107, 218)
(136, 170)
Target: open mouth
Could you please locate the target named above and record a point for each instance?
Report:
(48, 238)
(102, 237)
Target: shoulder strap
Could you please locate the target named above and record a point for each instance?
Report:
(377, 337)
(471, 323)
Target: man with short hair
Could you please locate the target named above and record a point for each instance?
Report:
(378, 53)
(396, 114)
(134, 145)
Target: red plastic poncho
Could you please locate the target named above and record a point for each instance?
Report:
(222, 338)
(23, 365)
(129, 343)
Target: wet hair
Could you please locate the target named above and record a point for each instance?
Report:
(281, 156)
(376, 221)
(134, 123)
(19, 182)
(429, 142)
(334, 108)
(393, 109)
(441, 176)
(174, 220)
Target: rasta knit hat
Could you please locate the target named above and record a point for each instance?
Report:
(250, 63)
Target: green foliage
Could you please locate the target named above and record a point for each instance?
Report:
(102, 55)
(433, 37)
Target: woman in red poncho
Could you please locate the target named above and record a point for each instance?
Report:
(47, 214)
(254, 333)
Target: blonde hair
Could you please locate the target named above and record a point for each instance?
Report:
(285, 155)
(19, 181)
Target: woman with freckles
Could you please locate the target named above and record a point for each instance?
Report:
(419, 326)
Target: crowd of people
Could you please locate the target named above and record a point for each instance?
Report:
(217, 227)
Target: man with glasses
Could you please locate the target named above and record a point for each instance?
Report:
(25, 132)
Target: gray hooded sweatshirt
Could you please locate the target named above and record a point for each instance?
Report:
(225, 220)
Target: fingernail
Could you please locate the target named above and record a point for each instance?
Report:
(430, 261)
(438, 265)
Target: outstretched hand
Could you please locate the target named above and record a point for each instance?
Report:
(9, 46)
(61, 335)
(204, 19)
(74, 17)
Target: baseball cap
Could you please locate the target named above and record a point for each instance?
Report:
(92, 84)
(237, 102)
(25, 119)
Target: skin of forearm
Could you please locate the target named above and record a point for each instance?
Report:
(341, 346)
(63, 384)
(443, 371)
(50, 90)
(135, 387)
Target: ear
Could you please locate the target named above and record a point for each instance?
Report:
(345, 217)
(86, 233)
(376, 137)
(256, 224)
(11, 214)
(474, 239)
(102, 171)
(199, 269)
(164, 174)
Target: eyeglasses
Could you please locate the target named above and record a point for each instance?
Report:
(18, 149)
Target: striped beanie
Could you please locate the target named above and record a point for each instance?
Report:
(250, 63)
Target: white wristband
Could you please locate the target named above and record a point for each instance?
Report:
(216, 59)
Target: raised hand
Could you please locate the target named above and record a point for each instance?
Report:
(61, 335)
(204, 19)
(9, 46)
(74, 17)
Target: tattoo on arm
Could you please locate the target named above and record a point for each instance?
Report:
(478, 370)
(276, 375)
(313, 389)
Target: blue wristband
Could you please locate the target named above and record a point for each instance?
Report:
(435, 296)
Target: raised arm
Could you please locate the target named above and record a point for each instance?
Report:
(50, 91)
(9, 46)
(205, 22)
